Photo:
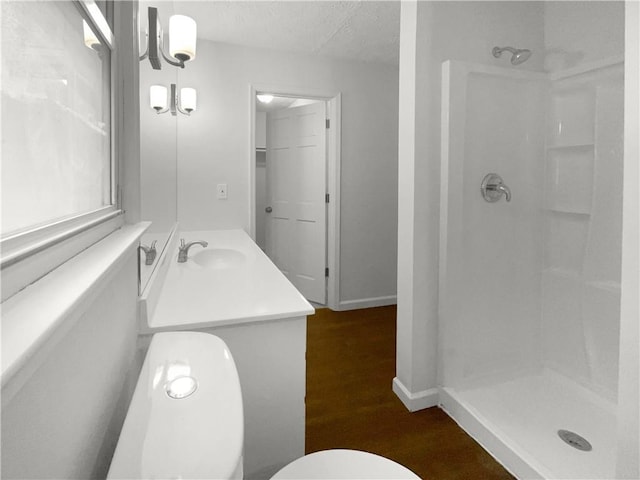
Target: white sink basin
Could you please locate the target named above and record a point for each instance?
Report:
(218, 258)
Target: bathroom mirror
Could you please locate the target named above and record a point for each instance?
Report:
(158, 146)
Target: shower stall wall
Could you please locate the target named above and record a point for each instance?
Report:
(529, 289)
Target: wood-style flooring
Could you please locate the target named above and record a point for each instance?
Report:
(350, 366)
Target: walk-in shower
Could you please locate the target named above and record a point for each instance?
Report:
(530, 289)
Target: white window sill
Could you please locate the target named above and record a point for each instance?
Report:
(36, 316)
(29, 256)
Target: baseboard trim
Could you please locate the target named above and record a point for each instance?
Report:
(367, 303)
(416, 401)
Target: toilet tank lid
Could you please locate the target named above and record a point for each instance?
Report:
(197, 436)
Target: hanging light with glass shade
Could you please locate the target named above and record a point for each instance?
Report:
(188, 100)
(90, 38)
(185, 103)
(182, 40)
(158, 98)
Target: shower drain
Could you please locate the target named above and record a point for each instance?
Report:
(575, 440)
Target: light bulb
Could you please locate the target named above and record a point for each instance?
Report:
(182, 37)
(265, 98)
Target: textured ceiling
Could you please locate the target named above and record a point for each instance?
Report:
(360, 30)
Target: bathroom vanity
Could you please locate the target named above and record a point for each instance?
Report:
(232, 290)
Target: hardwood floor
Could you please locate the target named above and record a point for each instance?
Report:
(350, 367)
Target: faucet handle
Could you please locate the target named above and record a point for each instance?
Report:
(153, 244)
(183, 252)
(493, 188)
(149, 253)
(504, 189)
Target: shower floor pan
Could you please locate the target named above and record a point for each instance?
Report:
(517, 421)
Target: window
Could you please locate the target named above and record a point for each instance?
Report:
(58, 148)
(56, 108)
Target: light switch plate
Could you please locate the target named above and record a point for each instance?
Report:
(222, 191)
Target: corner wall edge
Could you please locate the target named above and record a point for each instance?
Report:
(418, 400)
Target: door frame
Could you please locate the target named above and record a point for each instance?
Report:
(334, 114)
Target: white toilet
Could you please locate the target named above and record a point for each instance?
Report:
(186, 421)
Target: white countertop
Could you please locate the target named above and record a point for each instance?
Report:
(248, 288)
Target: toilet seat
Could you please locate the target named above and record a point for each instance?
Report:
(344, 464)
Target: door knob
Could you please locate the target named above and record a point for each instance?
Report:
(268, 209)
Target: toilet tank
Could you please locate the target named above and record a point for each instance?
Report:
(171, 431)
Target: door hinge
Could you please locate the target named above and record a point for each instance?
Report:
(326, 271)
(326, 198)
(327, 123)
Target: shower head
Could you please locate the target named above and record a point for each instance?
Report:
(520, 56)
(517, 57)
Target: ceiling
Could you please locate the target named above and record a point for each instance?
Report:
(363, 30)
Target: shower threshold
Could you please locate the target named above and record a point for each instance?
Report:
(517, 421)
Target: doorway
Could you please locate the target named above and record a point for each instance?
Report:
(294, 170)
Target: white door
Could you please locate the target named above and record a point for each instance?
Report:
(296, 211)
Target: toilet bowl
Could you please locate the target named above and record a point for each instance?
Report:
(186, 420)
(344, 464)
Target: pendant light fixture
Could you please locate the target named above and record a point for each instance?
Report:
(182, 40)
(185, 103)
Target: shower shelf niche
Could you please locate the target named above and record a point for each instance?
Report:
(570, 179)
(570, 147)
(561, 211)
(562, 272)
(571, 116)
(608, 285)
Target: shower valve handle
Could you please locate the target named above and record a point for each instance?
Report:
(493, 187)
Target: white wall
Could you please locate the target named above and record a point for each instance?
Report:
(444, 30)
(66, 419)
(213, 147)
(579, 32)
(261, 198)
(261, 129)
(628, 455)
(261, 178)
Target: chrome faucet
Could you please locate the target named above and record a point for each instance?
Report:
(504, 189)
(149, 252)
(183, 251)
